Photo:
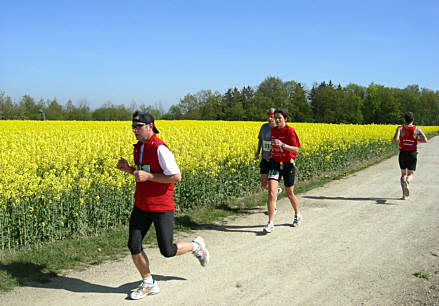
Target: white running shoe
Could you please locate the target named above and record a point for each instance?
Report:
(144, 289)
(278, 191)
(297, 220)
(202, 254)
(269, 228)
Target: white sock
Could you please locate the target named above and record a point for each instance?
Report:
(195, 246)
(148, 280)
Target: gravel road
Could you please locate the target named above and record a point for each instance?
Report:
(359, 244)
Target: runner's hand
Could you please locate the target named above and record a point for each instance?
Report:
(276, 142)
(123, 165)
(142, 176)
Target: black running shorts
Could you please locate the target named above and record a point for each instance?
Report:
(408, 159)
(264, 165)
(288, 172)
(141, 221)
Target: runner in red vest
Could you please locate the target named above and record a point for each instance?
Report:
(408, 136)
(284, 148)
(155, 172)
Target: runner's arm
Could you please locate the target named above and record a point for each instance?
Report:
(421, 134)
(142, 176)
(284, 146)
(258, 150)
(291, 149)
(397, 134)
(171, 171)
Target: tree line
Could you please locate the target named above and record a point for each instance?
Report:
(323, 103)
(28, 109)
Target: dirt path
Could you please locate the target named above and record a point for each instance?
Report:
(358, 244)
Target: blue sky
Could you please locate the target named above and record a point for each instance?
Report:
(158, 51)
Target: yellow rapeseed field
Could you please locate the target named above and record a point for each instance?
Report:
(58, 178)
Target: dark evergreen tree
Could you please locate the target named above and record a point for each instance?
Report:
(298, 106)
(54, 110)
(429, 108)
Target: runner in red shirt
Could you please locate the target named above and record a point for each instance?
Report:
(284, 148)
(155, 172)
(408, 136)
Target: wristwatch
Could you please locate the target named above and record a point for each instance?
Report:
(282, 145)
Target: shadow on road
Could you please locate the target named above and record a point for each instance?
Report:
(254, 229)
(39, 279)
(376, 200)
(231, 228)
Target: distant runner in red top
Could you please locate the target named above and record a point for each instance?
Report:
(284, 148)
(408, 136)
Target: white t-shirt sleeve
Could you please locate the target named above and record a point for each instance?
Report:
(167, 161)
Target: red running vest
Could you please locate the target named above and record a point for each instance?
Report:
(288, 136)
(151, 196)
(408, 142)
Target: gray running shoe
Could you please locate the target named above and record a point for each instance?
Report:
(144, 289)
(202, 254)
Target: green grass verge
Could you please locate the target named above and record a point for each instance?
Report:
(41, 262)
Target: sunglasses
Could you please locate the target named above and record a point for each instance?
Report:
(137, 126)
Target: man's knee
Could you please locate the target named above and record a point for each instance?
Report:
(134, 248)
(169, 251)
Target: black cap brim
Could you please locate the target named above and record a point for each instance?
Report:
(154, 129)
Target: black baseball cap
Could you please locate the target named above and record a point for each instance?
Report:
(145, 118)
